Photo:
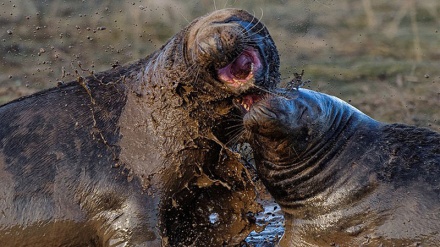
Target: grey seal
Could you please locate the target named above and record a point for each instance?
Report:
(341, 177)
(135, 156)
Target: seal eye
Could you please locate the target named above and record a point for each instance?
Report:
(240, 73)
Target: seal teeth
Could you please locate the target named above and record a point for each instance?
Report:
(246, 107)
(237, 82)
(244, 103)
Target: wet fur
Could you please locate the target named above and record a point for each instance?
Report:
(342, 176)
(419, 156)
(133, 155)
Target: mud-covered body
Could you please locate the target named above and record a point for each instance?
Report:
(60, 184)
(343, 178)
(132, 156)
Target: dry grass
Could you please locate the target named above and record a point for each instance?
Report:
(382, 56)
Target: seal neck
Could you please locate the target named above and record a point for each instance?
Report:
(165, 67)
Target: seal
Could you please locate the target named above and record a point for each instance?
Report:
(343, 178)
(134, 156)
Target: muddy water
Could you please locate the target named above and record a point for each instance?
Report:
(273, 218)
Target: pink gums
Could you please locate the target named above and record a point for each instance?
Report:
(242, 69)
(248, 100)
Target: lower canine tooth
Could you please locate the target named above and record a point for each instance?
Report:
(246, 107)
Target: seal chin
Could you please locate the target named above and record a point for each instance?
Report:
(240, 73)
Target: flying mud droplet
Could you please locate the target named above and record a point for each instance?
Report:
(297, 82)
(213, 218)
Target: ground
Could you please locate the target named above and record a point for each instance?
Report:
(383, 57)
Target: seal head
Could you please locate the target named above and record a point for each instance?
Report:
(235, 49)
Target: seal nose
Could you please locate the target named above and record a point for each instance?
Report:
(262, 118)
(272, 116)
(216, 43)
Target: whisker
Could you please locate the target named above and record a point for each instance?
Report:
(236, 136)
(237, 139)
(255, 38)
(191, 70)
(234, 126)
(180, 12)
(280, 94)
(257, 23)
(226, 3)
(254, 24)
(296, 153)
(197, 76)
(259, 20)
(270, 92)
(233, 120)
(245, 30)
(235, 130)
(257, 33)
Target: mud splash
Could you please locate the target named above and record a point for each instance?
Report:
(273, 219)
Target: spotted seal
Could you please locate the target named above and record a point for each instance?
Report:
(134, 156)
(343, 178)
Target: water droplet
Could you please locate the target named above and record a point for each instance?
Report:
(213, 218)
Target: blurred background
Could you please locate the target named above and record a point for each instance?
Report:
(381, 56)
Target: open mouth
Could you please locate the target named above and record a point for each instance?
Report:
(240, 74)
(246, 101)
